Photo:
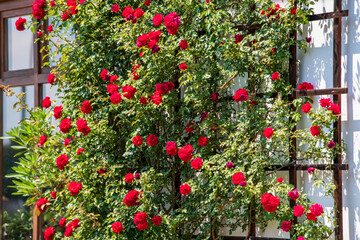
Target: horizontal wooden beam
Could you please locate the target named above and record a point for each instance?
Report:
(304, 167)
(317, 92)
(329, 15)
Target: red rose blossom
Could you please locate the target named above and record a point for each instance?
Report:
(49, 233)
(214, 97)
(293, 195)
(152, 140)
(305, 86)
(127, 13)
(62, 161)
(275, 76)
(171, 148)
(172, 22)
(82, 126)
(268, 132)
(185, 153)
(156, 98)
(51, 78)
(238, 38)
(69, 230)
(147, 2)
(79, 151)
(112, 88)
(241, 95)
(117, 227)
(306, 107)
(128, 91)
(315, 210)
(156, 220)
(62, 222)
(237, 178)
(185, 189)
(129, 178)
(196, 163)
(140, 220)
(157, 20)
(142, 40)
(41, 204)
(116, 98)
(298, 210)
(202, 141)
(53, 194)
(65, 125)
(42, 140)
(50, 28)
(183, 44)
(315, 130)
(190, 127)
(286, 226)
(183, 66)
(334, 108)
(115, 8)
(293, 11)
(86, 107)
(270, 202)
(137, 140)
(132, 198)
(143, 100)
(138, 13)
(19, 24)
(280, 180)
(74, 188)
(325, 102)
(58, 112)
(46, 102)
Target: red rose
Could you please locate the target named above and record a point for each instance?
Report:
(38, 12)
(41, 204)
(275, 76)
(151, 44)
(68, 231)
(115, 8)
(49, 233)
(20, 24)
(305, 86)
(172, 23)
(50, 28)
(51, 78)
(79, 151)
(62, 161)
(286, 226)
(334, 108)
(46, 102)
(190, 127)
(293, 11)
(314, 211)
(143, 100)
(58, 112)
(238, 38)
(203, 141)
(183, 66)
(270, 202)
(315, 130)
(298, 211)
(280, 180)
(52, 4)
(241, 95)
(140, 220)
(171, 148)
(183, 44)
(185, 153)
(142, 40)
(132, 198)
(147, 2)
(128, 13)
(325, 102)
(306, 107)
(138, 13)
(75, 223)
(53, 194)
(137, 140)
(185, 189)
(117, 227)
(129, 178)
(214, 97)
(74, 188)
(112, 88)
(156, 220)
(293, 195)
(101, 171)
(116, 98)
(237, 178)
(65, 125)
(104, 75)
(197, 163)
(157, 20)
(39, 34)
(113, 78)
(152, 140)
(268, 132)
(82, 126)
(128, 91)
(67, 141)
(86, 107)
(311, 170)
(156, 98)
(42, 140)
(62, 222)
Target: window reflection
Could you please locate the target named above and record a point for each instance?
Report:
(19, 46)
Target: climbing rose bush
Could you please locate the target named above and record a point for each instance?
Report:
(156, 136)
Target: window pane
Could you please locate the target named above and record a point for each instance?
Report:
(19, 46)
(14, 210)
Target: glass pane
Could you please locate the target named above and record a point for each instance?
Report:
(19, 46)
(17, 217)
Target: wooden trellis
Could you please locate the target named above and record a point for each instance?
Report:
(337, 166)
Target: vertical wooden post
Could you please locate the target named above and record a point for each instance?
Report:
(36, 225)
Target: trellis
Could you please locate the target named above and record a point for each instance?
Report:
(337, 166)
